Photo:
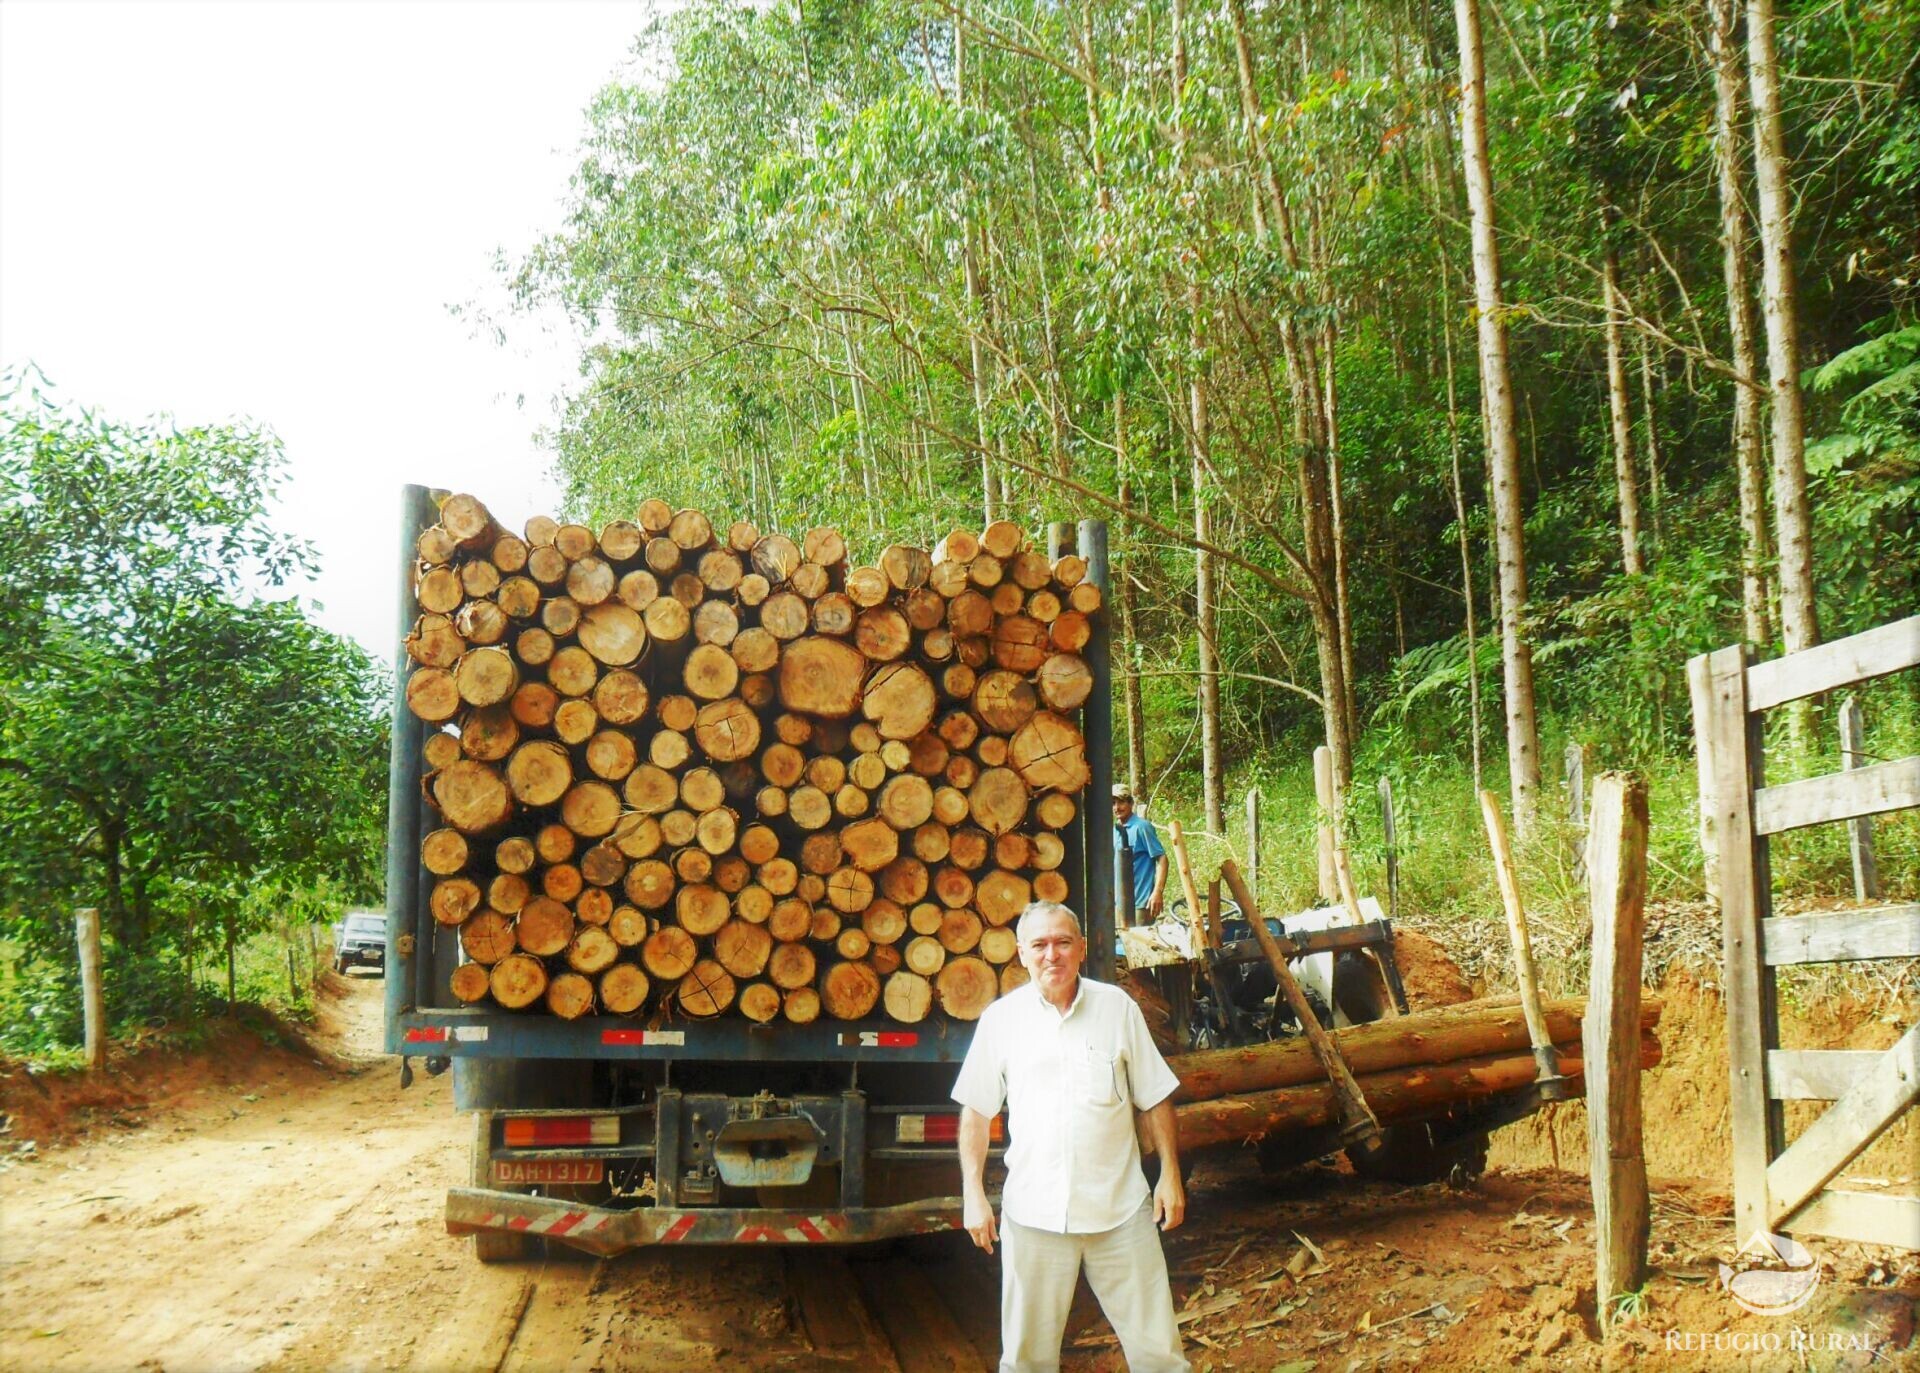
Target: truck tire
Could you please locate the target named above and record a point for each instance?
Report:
(490, 1246)
(1410, 1154)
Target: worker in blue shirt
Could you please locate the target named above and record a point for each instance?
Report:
(1136, 833)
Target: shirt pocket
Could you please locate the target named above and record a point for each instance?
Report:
(1098, 1074)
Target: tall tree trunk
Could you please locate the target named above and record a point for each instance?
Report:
(1799, 623)
(1206, 607)
(1129, 638)
(976, 297)
(1649, 402)
(1755, 547)
(1626, 474)
(1122, 453)
(1329, 395)
(1460, 520)
(1523, 739)
(1312, 413)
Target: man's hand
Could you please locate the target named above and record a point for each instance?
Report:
(1155, 904)
(978, 1218)
(976, 1212)
(1169, 1199)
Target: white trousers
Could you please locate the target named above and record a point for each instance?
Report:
(1128, 1274)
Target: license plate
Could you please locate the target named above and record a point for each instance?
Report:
(530, 1170)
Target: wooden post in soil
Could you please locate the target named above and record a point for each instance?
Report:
(93, 1003)
(1610, 1037)
(1577, 807)
(1323, 791)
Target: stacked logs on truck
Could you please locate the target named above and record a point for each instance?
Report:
(1409, 1067)
(683, 770)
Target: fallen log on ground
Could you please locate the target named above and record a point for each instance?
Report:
(1470, 1029)
(1403, 1094)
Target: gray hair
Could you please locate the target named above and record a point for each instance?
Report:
(1041, 908)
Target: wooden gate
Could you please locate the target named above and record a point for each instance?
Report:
(1780, 1186)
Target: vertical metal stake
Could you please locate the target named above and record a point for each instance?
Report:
(405, 765)
(1098, 722)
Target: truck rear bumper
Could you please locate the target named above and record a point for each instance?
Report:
(605, 1231)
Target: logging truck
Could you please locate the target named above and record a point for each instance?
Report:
(704, 852)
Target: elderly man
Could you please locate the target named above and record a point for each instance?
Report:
(1071, 1060)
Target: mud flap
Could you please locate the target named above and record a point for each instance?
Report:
(604, 1231)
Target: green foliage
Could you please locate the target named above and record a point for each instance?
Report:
(796, 247)
(175, 747)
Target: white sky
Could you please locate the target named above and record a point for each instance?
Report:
(264, 209)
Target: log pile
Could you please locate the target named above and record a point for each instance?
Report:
(1408, 1067)
(690, 771)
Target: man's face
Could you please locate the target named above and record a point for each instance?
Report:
(1052, 952)
(1122, 809)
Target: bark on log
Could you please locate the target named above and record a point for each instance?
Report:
(1468, 1029)
(1395, 1095)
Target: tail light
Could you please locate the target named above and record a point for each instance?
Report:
(526, 1132)
(939, 1129)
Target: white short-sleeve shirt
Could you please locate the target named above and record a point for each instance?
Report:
(1071, 1083)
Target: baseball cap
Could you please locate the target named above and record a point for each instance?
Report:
(1122, 792)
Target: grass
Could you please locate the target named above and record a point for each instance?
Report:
(149, 999)
(1446, 879)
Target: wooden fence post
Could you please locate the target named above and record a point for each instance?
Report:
(1390, 834)
(1253, 838)
(1700, 688)
(1866, 872)
(1610, 1036)
(1577, 805)
(1329, 816)
(93, 1001)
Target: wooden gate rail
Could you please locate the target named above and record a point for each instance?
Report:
(1778, 1186)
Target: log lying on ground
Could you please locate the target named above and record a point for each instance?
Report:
(1471, 1029)
(1401, 1094)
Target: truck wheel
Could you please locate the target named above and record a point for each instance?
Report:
(1408, 1153)
(491, 1246)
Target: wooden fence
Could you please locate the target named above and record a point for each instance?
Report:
(1780, 1186)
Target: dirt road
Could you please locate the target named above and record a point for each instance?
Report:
(259, 1210)
(291, 1220)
